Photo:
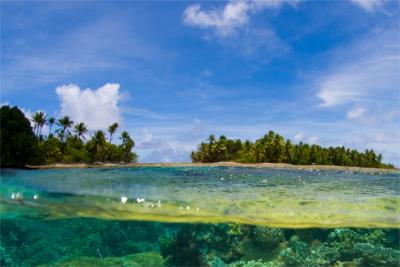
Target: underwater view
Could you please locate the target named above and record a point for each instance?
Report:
(222, 133)
(199, 216)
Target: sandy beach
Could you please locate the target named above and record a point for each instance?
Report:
(216, 164)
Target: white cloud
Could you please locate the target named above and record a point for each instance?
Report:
(355, 113)
(312, 140)
(382, 141)
(298, 136)
(359, 80)
(157, 145)
(236, 13)
(159, 150)
(364, 77)
(230, 23)
(195, 133)
(96, 108)
(100, 45)
(226, 20)
(5, 103)
(301, 137)
(142, 112)
(232, 16)
(147, 136)
(365, 71)
(369, 5)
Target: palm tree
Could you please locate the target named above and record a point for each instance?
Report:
(65, 122)
(35, 119)
(96, 146)
(126, 146)
(39, 119)
(112, 129)
(126, 139)
(80, 130)
(51, 121)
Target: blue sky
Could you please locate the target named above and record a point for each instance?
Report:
(172, 72)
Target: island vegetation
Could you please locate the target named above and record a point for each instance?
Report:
(274, 148)
(65, 142)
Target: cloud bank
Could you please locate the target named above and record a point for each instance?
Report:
(170, 145)
(96, 108)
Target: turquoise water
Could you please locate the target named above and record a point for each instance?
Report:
(199, 216)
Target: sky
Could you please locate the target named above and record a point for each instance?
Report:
(173, 72)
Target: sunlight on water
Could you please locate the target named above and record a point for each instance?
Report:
(264, 196)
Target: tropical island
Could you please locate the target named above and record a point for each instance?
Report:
(21, 144)
(65, 143)
(274, 148)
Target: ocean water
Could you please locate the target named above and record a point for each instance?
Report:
(199, 216)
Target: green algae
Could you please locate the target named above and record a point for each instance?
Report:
(270, 197)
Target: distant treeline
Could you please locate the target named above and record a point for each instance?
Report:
(65, 142)
(274, 148)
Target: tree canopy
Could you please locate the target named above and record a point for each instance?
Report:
(18, 143)
(274, 148)
(21, 145)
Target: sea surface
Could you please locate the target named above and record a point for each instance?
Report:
(199, 216)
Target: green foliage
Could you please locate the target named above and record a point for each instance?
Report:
(19, 146)
(126, 147)
(50, 122)
(17, 141)
(272, 147)
(112, 129)
(80, 129)
(96, 147)
(39, 119)
(65, 123)
(50, 151)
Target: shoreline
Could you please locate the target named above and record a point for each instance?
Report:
(215, 164)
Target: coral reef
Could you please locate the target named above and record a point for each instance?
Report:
(89, 242)
(267, 237)
(145, 259)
